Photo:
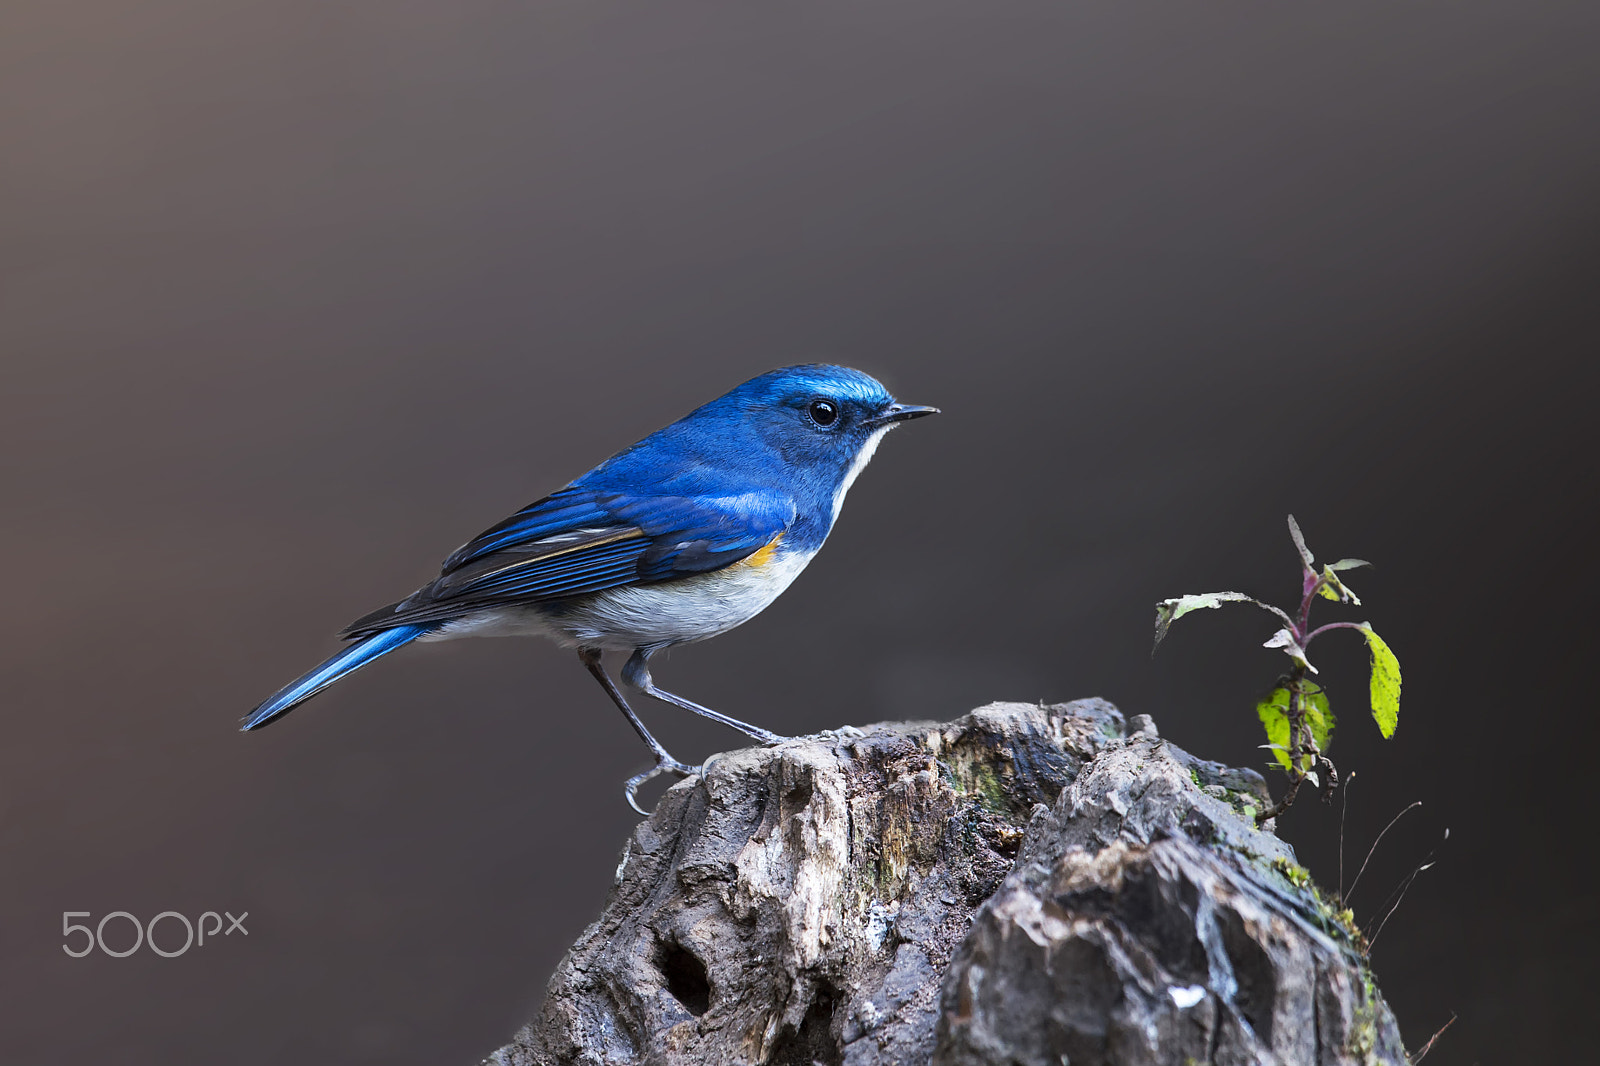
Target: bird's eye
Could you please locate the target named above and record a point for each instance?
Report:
(823, 412)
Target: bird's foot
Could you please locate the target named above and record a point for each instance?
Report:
(666, 765)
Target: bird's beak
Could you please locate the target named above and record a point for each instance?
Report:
(901, 412)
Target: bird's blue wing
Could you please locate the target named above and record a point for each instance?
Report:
(582, 541)
(560, 512)
(694, 534)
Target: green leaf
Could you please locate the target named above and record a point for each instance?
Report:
(1169, 611)
(1300, 543)
(1385, 682)
(1273, 710)
(1334, 589)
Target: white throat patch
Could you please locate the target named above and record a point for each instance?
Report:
(863, 457)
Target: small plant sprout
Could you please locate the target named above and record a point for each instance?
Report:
(1295, 713)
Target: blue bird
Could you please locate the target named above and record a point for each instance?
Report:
(687, 534)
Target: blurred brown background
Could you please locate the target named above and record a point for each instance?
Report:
(298, 296)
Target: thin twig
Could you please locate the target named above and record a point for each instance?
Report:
(1400, 894)
(1282, 805)
(1374, 848)
(1344, 807)
(1330, 778)
(1418, 1057)
(1404, 887)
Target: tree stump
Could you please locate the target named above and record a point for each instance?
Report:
(1024, 885)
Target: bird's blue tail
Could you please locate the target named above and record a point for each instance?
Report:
(357, 655)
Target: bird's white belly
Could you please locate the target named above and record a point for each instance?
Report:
(638, 616)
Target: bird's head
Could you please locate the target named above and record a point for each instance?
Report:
(804, 430)
(825, 418)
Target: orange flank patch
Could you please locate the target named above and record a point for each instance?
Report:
(763, 555)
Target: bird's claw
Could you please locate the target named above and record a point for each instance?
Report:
(663, 766)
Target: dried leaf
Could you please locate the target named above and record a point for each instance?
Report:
(1300, 543)
(1169, 611)
(1284, 639)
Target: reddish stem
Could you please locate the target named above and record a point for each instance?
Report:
(1331, 625)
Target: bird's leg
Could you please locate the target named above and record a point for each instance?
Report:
(665, 763)
(637, 674)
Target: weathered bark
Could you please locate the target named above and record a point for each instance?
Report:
(1023, 885)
